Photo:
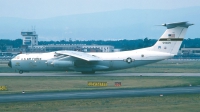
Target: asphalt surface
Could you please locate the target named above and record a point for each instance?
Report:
(25, 97)
(99, 74)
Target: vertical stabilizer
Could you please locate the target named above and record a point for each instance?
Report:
(172, 38)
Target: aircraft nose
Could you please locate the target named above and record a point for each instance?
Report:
(10, 64)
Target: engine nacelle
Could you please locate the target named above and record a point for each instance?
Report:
(63, 63)
(49, 62)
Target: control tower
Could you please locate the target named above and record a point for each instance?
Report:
(30, 38)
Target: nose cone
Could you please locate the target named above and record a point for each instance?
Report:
(10, 64)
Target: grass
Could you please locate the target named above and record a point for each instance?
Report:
(169, 67)
(43, 84)
(171, 103)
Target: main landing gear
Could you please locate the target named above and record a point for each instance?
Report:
(21, 72)
(88, 72)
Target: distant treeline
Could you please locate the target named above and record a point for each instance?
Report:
(121, 44)
(6, 42)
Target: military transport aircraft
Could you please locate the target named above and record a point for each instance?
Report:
(166, 47)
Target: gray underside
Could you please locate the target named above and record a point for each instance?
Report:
(107, 65)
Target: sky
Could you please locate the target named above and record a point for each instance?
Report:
(40, 9)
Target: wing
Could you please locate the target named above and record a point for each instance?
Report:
(80, 55)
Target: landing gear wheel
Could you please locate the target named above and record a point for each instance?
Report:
(88, 72)
(21, 72)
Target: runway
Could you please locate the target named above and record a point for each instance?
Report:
(90, 94)
(76, 74)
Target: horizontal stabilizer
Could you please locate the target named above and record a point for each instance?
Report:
(177, 24)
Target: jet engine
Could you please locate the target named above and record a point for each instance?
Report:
(62, 63)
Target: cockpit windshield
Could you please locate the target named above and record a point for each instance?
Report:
(16, 57)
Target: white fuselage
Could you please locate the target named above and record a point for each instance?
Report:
(110, 61)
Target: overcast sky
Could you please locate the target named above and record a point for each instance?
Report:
(38, 9)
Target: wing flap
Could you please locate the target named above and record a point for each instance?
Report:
(80, 55)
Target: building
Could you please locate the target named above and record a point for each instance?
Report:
(30, 38)
(57, 47)
(190, 51)
(71, 47)
(30, 44)
(102, 48)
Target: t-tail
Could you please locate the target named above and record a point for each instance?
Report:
(172, 38)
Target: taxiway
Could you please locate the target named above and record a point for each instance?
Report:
(24, 97)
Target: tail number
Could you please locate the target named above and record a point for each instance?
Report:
(166, 42)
